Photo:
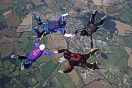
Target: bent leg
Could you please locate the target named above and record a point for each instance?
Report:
(90, 53)
(27, 64)
(21, 57)
(43, 25)
(91, 66)
(101, 21)
(92, 19)
(36, 30)
(42, 34)
(37, 18)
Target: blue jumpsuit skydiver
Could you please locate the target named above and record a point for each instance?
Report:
(53, 26)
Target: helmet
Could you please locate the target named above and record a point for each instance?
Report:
(91, 28)
(67, 55)
(63, 23)
(83, 33)
(42, 47)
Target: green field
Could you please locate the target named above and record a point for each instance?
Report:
(1, 18)
(30, 46)
(26, 51)
(61, 80)
(126, 5)
(111, 10)
(6, 63)
(64, 80)
(128, 42)
(19, 3)
(43, 41)
(43, 59)
(20, 86)
(119, 58)
(47, 69)
(55, 84)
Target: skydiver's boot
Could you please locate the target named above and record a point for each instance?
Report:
(22, 66)
(14, 56)
(96, 65)
(94, 11)
(19, 57)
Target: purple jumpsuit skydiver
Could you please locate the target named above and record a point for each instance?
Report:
(91, 27)
(53, 26)
(33, 55)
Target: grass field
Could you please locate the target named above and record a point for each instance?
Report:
(119, 56)
(21, 86)
(19, 4)
(128, 42)
(55, 83)
(120, 39)
(110, 9)
(6, 63)
(64, 80)
(24, 39)
(126, 6)
(30, 46)
(47, 69)
(43, 59)
(1, 18)
(26, 51)
(43, 41)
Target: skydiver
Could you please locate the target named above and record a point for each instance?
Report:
(53, 26)
(75, 59)
(90, 28)
(33, 55)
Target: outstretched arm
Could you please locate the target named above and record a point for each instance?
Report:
(63, 50)
(80, 30)
(63, 16)
(47, 53)
(77, 31)
(67, 35)
(63, 32)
